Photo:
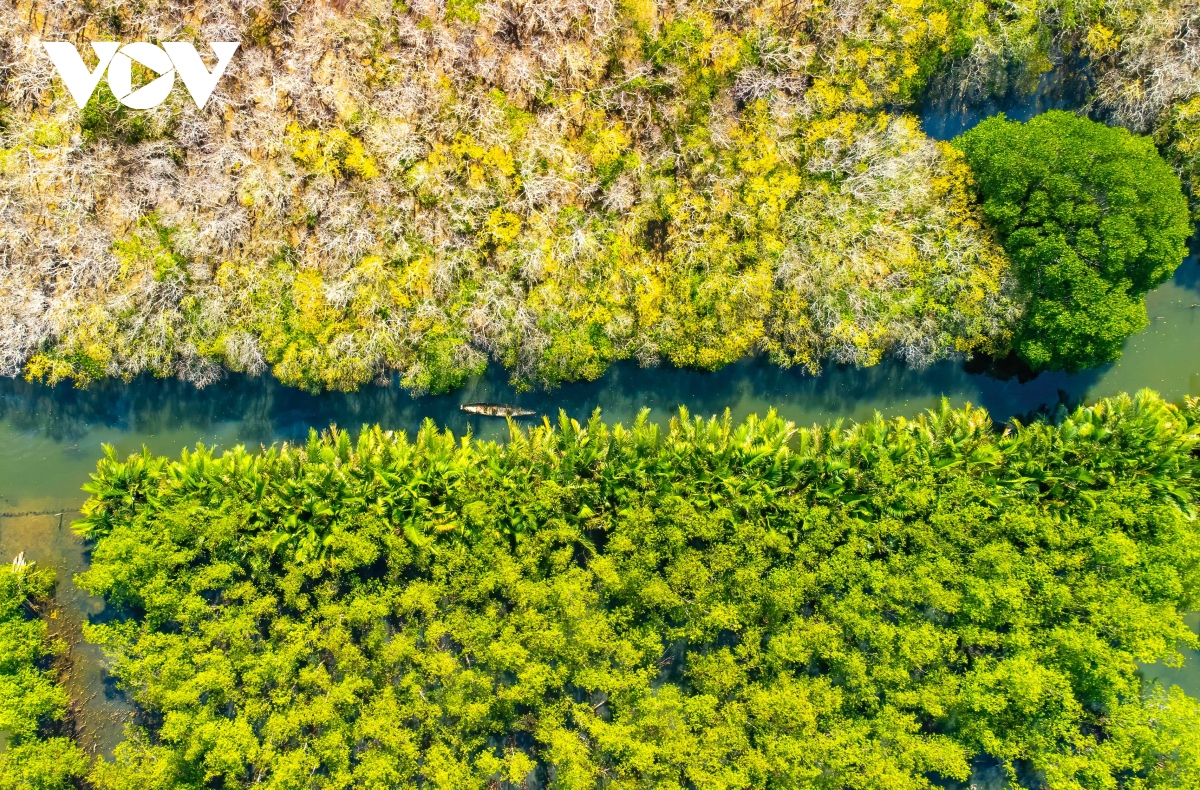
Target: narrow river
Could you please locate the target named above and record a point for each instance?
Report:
(50, 438)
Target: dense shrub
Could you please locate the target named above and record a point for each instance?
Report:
(713, 605)
(1091, 217)
(30, 699)
(385, 189)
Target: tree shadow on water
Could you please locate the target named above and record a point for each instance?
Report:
(945, 114)
(260, 410)
(1188, 273)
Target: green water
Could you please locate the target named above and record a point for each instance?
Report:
(50, 438)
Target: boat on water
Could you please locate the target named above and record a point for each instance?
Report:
(497, 410)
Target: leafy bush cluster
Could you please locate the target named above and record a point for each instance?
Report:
(30, 699)
(380, 188)
(713, 605)
(555, 185)
(1091, 217)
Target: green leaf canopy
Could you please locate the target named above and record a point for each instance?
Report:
(1092, 218)
(714, 605)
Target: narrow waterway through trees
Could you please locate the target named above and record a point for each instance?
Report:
(51, 437)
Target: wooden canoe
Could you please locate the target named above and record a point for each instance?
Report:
(497, 410)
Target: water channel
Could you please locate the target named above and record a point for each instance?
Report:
(50, 437)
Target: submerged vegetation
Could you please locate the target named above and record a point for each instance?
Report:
(710, 605)
(381, 188)
(31, 702)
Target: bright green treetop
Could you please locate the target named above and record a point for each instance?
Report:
(1092, 218)
(709, 606)
(30, 699)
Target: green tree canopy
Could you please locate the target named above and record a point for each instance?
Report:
(711, 606)
(1092, 218)
(31, 702)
